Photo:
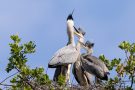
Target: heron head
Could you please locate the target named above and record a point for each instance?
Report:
(70, 16)
(89, 44)
(79, 32)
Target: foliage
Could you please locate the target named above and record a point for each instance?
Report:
(61, 80)
(125, 70)
(26, 78)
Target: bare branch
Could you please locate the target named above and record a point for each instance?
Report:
(8, 77)
(6, 85)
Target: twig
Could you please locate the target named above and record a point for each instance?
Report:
(5, 84)
(28, 82)
(17, 69)
(124, 64)
(8, 77)
(132, 79)
(126, 55)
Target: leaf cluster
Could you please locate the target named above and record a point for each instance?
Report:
(26, 78)
(124, 68)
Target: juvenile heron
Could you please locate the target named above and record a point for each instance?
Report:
(81, 76)
(88, 65)
(94, 66)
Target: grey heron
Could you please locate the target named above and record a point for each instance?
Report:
(94, 66)
(65, 69)
(63, 55)
(81, 76)
(80, 41)
(67, 55)
(88, 65)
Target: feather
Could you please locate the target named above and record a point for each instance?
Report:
(65, 55)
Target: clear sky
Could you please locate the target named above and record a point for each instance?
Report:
(106, 22)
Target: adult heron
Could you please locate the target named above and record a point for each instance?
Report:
(65, 69)
(67, 55)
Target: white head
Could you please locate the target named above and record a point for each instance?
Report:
(70, 24)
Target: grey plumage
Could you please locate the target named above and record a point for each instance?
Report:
(81, 76)
(60, 69)
(95, 66)
(87, 65)
(63, 58)
(65, 70)
(65, 55)
(70, 54)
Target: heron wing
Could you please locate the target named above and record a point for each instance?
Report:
(79, 74)
(97, 61)
(92, 68)
(63, 56)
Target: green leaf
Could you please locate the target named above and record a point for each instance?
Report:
(125, 45)
(29, 47)
(61, 80)
(15, 38)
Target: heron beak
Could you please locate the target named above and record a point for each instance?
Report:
(76, 32)
(76, 29)
(72, 12)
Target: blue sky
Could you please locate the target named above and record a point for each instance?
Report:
(106, 22)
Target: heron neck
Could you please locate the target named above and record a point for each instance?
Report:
(90, 51)
(78, 46)
(71, 39)
(70, 32)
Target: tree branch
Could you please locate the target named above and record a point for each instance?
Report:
(126, 55)
(8, 77)
(5, 84)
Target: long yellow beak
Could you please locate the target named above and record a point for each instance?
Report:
(76, 32)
